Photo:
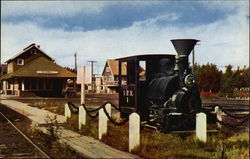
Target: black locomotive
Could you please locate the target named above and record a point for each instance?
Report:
(161, 88)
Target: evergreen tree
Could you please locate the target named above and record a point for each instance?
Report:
(208, 77)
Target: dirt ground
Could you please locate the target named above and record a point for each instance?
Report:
(12, 143)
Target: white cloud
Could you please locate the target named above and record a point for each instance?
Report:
(152, 21)
(223, 42)
(61, 8)
(50, 8)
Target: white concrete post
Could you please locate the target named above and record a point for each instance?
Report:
(134, 131)
(108, 108)
(67, 112)
(218, 115)
(81, 117)
(201, 126)
(83, 86)
(102, 124)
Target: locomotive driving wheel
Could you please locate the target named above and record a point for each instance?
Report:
(165, 125)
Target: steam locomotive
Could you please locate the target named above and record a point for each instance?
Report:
(161, 88)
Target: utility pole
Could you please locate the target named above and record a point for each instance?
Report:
(75, 70)
(92, 74)
(75, 62)
(193, 61)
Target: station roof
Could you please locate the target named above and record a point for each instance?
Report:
(24, 51)
(41, 67)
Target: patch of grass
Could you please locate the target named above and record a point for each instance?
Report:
(54, 149)
(117, 136)
(90, 129)
(159, 145)
(72, 123)
(154, 144)
(54, 107)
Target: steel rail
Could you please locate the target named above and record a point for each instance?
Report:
(27, 138)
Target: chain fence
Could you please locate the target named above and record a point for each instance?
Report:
(234, 116)
(243, 118)
(75, 110)
(93, 113)
(233, 126)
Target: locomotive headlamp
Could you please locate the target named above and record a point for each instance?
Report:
(189, 79)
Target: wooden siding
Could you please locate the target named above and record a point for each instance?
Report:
(27, 57)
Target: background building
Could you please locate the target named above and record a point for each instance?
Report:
(110, 75)
(33, 73)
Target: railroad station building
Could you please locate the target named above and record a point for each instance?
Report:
(33, 73)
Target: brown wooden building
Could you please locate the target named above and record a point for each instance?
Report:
(111, 72)
(110, 75)
(33, 73)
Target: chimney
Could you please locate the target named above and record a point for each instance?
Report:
(183, 48)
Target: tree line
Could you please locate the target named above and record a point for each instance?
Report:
(210, 79)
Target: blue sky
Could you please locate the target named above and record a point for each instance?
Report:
(99, 30)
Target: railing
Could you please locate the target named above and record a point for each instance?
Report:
(113, 83)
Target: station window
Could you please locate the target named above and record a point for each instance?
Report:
(142, 70)
(47, 84)
(107, 69)
(124, 73)
(20, 62)
(33, 84)
(27, 84)
(40, 84)
(33, 51)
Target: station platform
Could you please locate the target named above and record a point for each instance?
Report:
(86, 146)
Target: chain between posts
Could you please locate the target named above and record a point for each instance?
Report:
(97, 113)
(231, 125)
(245, 118)
(76, 111)
(233, 116)
(113, 121)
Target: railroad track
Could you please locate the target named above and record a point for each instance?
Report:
(15, 144)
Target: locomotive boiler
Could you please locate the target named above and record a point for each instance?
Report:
(161, 88)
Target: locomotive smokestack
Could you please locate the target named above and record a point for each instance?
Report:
(183, 48)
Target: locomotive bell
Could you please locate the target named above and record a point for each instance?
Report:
(184, 47)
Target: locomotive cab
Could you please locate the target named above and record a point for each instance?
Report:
(160, 87)
(135, 75)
